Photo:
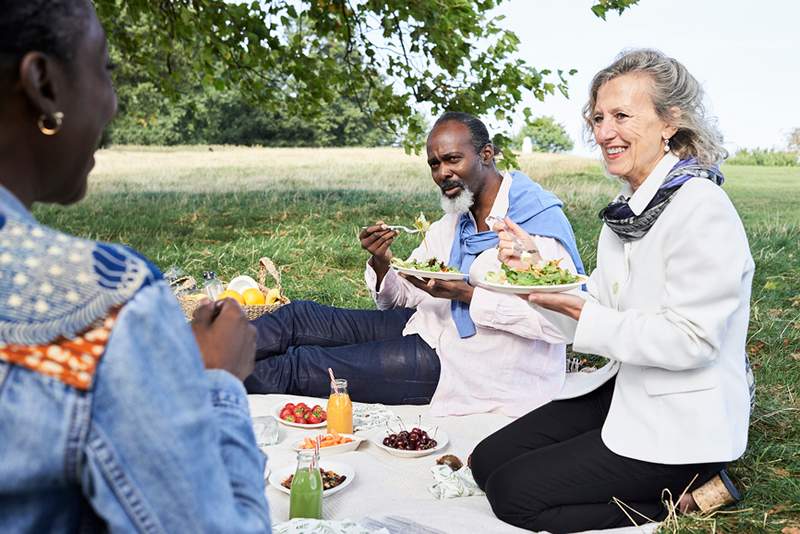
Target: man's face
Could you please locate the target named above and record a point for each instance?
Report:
(455, 166)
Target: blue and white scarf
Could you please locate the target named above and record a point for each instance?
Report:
(537, 211)
(628, 226)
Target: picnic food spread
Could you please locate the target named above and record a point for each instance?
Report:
(548, 273)
(330, 480)
(432, 265)
(300, 413)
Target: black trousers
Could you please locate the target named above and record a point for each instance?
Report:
(549, 470)
(296, 345)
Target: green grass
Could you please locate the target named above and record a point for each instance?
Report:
(223, 209)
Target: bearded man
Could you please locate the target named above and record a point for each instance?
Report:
(459, 347)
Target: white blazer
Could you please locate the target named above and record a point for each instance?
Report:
(671, 311)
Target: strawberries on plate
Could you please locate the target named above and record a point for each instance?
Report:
(301, 413)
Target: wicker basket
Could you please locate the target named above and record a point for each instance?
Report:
(265, 266)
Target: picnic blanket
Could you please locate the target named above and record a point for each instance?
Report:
(386, 485)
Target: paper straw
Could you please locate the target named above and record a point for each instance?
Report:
(333, 381)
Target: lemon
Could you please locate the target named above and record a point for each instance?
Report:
(273, 295)
(253, 297)
(231, 294)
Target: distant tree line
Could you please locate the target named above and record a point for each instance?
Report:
(771, 158)
(209, 116)
(765, 157)
(546, 135)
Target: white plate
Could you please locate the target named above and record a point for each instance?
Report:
(280, 474)
(376, 437)
(335, 449)
(524, 290)
(429, 274)
(276, 411)
(240, 283)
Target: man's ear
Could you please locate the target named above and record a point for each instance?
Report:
(487, 154)
(38, 78)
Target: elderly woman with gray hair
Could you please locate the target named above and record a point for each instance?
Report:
(668, 305)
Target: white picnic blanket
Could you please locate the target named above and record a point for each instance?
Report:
(386, 485)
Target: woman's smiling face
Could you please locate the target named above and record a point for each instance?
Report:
(627, 128)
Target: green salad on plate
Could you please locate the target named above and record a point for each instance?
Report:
(546, 274)
(432, 265)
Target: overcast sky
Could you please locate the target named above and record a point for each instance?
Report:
(745, 54)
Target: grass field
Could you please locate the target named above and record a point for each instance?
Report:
(223, 208)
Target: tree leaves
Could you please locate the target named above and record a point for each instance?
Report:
(299, 56)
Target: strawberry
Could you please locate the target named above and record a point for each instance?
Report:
(300, 410)
(289, 406)
(312, 419)
(317, 410)
(288, 417)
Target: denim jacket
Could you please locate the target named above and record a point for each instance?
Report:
(157, 444)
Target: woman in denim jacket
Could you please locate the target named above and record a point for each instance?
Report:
(114, 413)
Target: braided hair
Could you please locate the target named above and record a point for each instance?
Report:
(478, 131)
(52, 27)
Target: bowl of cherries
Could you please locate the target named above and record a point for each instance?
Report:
(419, 441)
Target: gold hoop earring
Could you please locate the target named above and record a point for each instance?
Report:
(666, 145)
(57, 119)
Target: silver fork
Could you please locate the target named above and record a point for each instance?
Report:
(531, 255)
(405, 229)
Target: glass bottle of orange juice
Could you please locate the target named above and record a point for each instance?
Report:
(340, 408)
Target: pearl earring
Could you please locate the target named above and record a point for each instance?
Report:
(666, 145)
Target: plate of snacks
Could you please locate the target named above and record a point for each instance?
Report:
(301, 415)
(418, 441)
(547, 277)
(431, 268)
(332, 443)
(335, 477)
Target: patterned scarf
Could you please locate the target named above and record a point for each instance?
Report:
(628, 226)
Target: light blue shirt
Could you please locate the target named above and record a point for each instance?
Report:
(157, 445)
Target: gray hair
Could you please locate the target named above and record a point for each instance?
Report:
(673, 87)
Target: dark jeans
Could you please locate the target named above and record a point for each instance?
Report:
(297, 344)
(549, 470)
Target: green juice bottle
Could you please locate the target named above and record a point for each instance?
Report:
(305, 499)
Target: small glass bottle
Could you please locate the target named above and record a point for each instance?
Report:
(340, 408)
(211, 285)
(305, 496)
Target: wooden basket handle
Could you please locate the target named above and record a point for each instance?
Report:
(265, 266)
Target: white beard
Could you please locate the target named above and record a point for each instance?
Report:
(460, 204)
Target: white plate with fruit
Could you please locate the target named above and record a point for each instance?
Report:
(331, 443)
(301, 415)
(419, 441)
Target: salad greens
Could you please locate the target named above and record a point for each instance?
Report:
(546, 274)
(422, 224)
(432, 265)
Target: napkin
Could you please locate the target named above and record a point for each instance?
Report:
(448, 484)
(324, 526)
(367, 416)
